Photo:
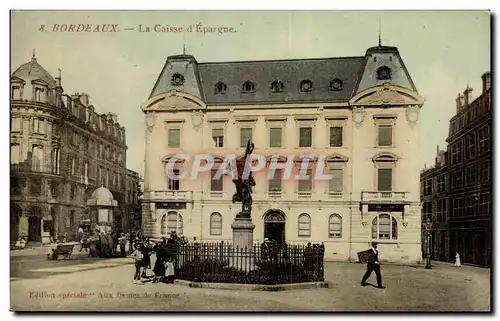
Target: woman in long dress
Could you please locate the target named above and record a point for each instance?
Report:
(159, 267)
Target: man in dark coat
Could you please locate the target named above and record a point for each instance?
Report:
(373, 264)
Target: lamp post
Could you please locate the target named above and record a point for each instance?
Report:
(428, 226)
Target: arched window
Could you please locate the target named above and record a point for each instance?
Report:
(216, 224)
(384, 227)
(174, 223)
(220, 88)
(304, 225)
(163, 230)
(335, 226)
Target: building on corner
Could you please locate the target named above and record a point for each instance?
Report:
(356, 116)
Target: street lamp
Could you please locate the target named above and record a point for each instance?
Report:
(428, 226)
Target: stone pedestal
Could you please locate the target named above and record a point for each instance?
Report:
(243, 231)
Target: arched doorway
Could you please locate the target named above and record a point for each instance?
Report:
(15, 215)
(35, 224)
(274, 226)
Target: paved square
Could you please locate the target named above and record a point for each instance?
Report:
(91, 284)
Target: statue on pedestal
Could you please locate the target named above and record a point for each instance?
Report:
(244, 184)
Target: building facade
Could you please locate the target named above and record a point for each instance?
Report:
(435, 194)
(134, 192)
(357, 117)
(61, 151)
(470, 149)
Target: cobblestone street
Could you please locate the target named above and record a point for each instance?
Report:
(107, 286)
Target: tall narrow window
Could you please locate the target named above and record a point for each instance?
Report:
(56, 158)
(275, 183)
(275, 135)
(305, 181)
(16, 125)
(173, 182)
(36, 157)
(336, 184)
(174, 223)
(36, 126)
(304, 228)
(15, 154)
(38, 94)
(335, 226)
(218, 137)
(245, 136)
(385, 179)
(336, 137)
(384, 135)
(174, 138)
(16, 93)
(73, 166)
(305, 137)
(216, 183)
(216, 224)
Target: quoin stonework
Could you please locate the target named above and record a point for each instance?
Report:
(61, 151)
(356, 116)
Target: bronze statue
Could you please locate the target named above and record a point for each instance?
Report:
(244, 185)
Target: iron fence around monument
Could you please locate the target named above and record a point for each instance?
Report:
(261, 264)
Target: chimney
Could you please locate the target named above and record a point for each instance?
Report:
(58, 78)
(486, 81)
(84, 99)
(467, 92)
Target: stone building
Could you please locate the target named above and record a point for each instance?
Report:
(134, 191)
(463, 184)
(434, 184)
(355, 116)
(61, 151)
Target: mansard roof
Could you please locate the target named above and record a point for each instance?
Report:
(333, 80)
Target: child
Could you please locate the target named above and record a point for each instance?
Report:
(170, 271)
(138, 257)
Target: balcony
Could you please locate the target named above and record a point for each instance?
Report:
(384, 197)
(166, 196)
(335, 195)
(274, 194)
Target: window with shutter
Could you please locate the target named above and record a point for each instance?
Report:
(385, 179)
(384, 227)
(173, 182)
(304, 228)
(275, 137)
(335, 226)
(336, 134)
(174, 223)
(174, 138)
(216, 224)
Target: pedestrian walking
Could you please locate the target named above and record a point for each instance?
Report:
(373, 264)
(457, 261)
(123, 242)
(138, 257)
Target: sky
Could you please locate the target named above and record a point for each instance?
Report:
(444, 51)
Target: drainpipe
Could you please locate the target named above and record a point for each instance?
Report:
(350, 226)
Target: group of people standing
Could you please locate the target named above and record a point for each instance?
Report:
(163, 268)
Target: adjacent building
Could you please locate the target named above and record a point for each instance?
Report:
(467, 177)
(357, 117)
(61, 151)
(134, 192)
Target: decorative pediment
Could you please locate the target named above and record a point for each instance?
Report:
(387, 94)
(385, 157)
(40, 82)
(337, 158)
(308, 157)
(177, 158)
(173, 101)
(17, 80)
(276, 158)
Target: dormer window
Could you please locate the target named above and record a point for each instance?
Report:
(277, 86)
(38, 94)
(384, 73)
(248, 87)
(16, 93)
(220, 88)
(177, 80)
(336, 85)
(306, 85)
